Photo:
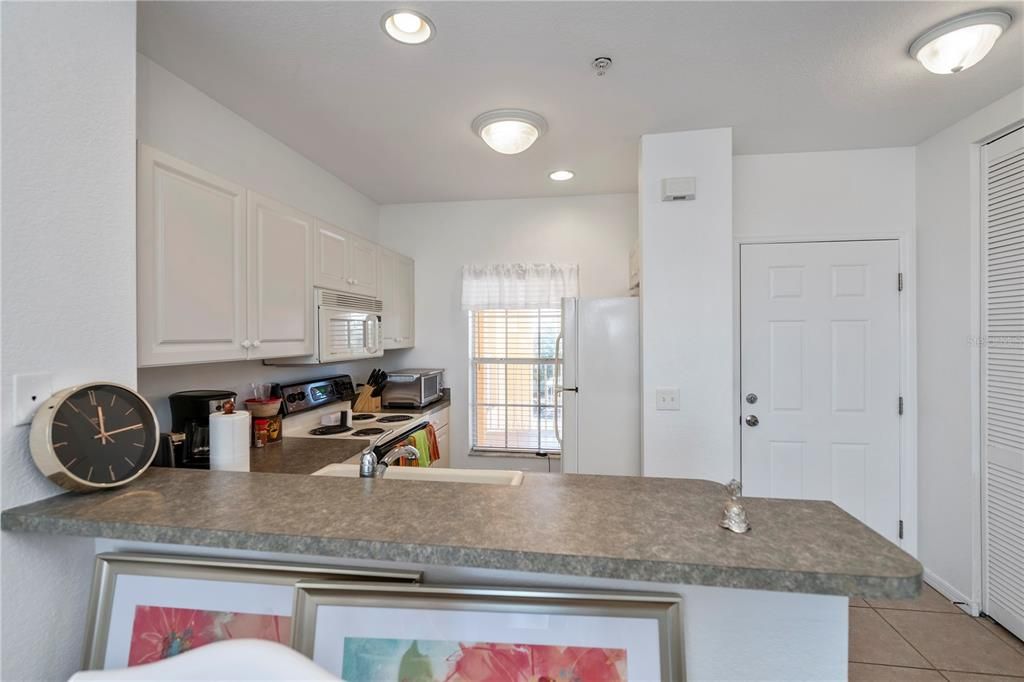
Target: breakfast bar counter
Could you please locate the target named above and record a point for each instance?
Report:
(769, 604)
(638, 529)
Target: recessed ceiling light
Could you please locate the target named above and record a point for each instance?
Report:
(509, 131)
(407, 26)
(561, 175)
(960, 43)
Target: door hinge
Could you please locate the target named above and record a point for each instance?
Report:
(901, 406)
(899, 282)
(901, 529)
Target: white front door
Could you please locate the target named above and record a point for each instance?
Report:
(820, 375)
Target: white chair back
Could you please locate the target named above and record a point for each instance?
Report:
(230, 660)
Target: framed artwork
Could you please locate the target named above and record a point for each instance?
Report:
(146, 607)
(365, 633)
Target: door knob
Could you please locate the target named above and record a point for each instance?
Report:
(752, 420)
(255, 344)
(246, 344)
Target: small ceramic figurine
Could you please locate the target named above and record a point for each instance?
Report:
(734, 517)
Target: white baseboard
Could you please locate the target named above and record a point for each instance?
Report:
(951, 593)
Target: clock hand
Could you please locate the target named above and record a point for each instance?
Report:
(103, 430)
(108, 434)
(78, 411)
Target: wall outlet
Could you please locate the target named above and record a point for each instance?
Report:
(666, 399)
(30, 391)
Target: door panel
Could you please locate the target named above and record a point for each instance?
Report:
(332, 257)
(1002, 390)
(363, 266)
(189, 221)
(820, 348)
(280, 280)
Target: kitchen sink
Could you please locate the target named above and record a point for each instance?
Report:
(396, 473)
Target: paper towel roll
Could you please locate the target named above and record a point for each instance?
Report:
(229, 441)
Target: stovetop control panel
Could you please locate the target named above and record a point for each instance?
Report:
(309, 395)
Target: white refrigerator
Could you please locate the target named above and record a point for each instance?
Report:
(598, 386)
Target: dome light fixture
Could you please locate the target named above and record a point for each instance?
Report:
(958, 44)
(509, 131)
(407, 26)
(562, 175)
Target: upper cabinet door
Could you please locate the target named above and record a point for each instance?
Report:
(363, 267)
(332, 254)
(280, 264)
(406, 285)
(398, 298)
(191, 263)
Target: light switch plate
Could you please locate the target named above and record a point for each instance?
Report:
(666, 398)
(30, 391)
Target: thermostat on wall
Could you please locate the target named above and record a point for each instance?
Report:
(678, 189)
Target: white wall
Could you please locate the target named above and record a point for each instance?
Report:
(177, 118)
(859, 192)
(68, 280)
(948, 210)
(594, 231)
(687, 326)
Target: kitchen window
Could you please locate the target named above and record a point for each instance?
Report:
(512, 375)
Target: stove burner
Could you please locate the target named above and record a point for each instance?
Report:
(372, 431)
(394, 418)
(329, 430)
(361, 417)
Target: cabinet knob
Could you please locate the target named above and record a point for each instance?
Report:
(246, 344)
(255, 344)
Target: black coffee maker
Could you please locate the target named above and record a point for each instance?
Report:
(188, 444)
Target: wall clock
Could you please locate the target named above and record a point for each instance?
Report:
(94, 436)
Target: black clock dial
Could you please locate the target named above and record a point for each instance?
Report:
(104, 434)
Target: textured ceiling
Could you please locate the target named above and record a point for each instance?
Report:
(393, 120)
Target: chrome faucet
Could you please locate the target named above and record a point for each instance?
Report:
(371, 467)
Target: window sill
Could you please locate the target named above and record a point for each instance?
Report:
(515, 455)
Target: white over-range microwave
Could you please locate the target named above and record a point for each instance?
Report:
(348, 327)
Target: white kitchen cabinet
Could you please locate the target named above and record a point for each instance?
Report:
(191, 257)
(345, 261)
(439, 420)
(444, 461)
(397, 292)
(280, 267)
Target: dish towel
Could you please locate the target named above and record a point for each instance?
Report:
(425, 442)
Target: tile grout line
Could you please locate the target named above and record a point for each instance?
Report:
(934, 667)
(900, 634)
(983, 617)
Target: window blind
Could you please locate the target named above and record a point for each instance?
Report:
(513, 366)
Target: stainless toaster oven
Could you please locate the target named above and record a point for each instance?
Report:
(412, 387)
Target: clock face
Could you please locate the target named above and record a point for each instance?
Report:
(104, 434)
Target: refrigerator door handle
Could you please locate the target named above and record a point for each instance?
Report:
(558, 432)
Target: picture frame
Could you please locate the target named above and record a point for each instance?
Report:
(142, 607)
(364, 632)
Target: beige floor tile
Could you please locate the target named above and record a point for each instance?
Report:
(929, 600)
(955, 642)
(858, 602)
(1002, 633)
(869, 672)
(872, 640)
(975, 677)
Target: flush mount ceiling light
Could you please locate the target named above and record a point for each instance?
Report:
(561, 175)
(960, 43)
(509, 131)
(407, 26)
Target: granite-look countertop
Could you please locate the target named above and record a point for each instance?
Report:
(644, 529)
(296, 455)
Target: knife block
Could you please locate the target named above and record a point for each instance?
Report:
(365, 402)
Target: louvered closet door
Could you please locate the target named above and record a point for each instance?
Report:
(1003, 377)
